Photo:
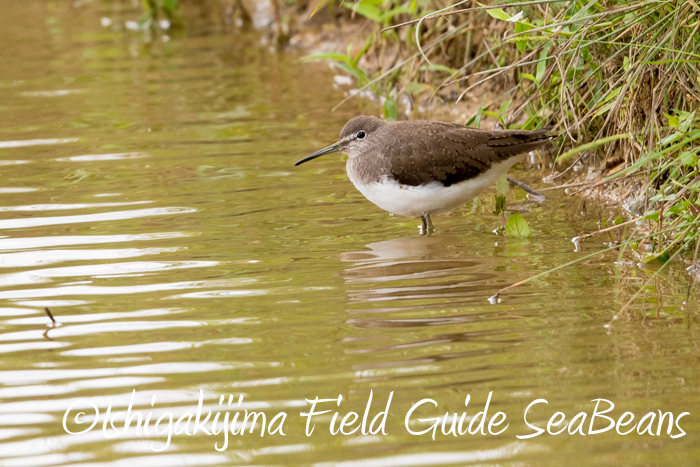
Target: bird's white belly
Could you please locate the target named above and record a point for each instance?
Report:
(433, 197)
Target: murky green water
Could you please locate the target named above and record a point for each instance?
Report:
(148, 199)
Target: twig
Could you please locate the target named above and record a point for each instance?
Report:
(604, 182)
(560, 187)
(608, 229)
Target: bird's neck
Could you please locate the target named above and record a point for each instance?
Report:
(367, 167)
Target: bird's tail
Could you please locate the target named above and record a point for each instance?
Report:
(509, 143)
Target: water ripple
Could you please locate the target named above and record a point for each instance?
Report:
(39, 276)
(101, 217)
(35, 142)
(102, 290)
(62, 207)
(104, 157)
(43, 257)
(43, 242)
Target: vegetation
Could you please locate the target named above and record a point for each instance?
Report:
(618, 79)
(153, 9)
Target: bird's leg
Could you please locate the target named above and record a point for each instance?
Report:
(431, 228)
(427, 227)
(526, 188)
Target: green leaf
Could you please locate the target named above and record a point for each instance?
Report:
(369, 11)
(325, 56)
(619, 220)
(689, 158)
(416, 88)
(500, 205)
(516, 226)
(317, 8)
(354, 72)
(541, 66)
(496, 12)
(672, 138)
(530, 77)
(389, 15)
(521, 41)
(476, 119)
(391, 110)
(436, 67)
(503, 110)
(687, 121)
(661, 257)
(652, 216)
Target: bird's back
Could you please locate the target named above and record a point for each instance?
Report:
(420, 151)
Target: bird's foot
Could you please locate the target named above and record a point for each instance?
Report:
(536, 195)
(426, 227)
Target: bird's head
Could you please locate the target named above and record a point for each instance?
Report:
(353, 137)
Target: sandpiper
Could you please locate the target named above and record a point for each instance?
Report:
(423, 167)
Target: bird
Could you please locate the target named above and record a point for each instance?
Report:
(420, 168)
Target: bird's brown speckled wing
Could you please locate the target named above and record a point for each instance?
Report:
(450, 153)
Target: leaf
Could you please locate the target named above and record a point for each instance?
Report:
(661, 257)
(436, 67)
(516, 226)
(652, 216)
(541, 66)
(359, 55)
(325, 56)
(672, 138)
(391, 110)
(687, 121)
(389, 15)
(416, 88)
(689, 158)
(521, 41)
(496, 12)
(369, 12)
(476, 119)
(530, 77)
(672, 120)
(619, 220)
(516, 17)
(503, 110)
(317, 8)
(500, 205)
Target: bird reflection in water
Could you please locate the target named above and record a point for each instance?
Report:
(423, 293)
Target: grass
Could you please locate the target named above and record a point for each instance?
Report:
(618, 79)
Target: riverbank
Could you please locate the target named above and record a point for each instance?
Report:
(619, 82)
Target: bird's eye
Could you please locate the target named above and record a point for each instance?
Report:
(361, 135)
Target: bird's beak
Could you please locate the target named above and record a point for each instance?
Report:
(329, 150)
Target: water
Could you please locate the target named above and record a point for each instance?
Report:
(148, 199)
